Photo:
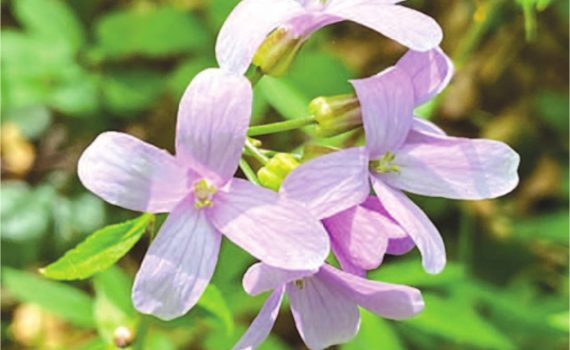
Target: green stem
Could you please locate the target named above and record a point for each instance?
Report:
(256, 153)
(280, 126)
(254, 74)
(248, 171)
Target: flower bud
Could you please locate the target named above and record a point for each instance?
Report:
(335, 115)
(272, 174)
(277, 52)
(123, 337)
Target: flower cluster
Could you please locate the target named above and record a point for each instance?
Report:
(320, 205)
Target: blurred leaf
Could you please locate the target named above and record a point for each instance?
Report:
(113, 307)
(554, 107)
(457, 320)
(183, 74)
(560, 321)
(51, 20)
(218, 11)
(99, 251)
(133, 90)
(152, 32)
(213, 301)
(88, 212)
(94, 344)
(78, 96)
(156, 340)
(374, 332)
(411, 272)
(549, 226)
(282, 96)
(24, 212)
(319, 74)
(32, 120)
(64, 301)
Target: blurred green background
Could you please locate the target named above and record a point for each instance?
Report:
(72, 69)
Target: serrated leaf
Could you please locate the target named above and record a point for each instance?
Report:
(151, 32)
(99, 251)
(213, 301)
(52, 20)
(61, 300)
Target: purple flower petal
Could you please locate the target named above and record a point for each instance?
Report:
(387, 104)
(324, 316)
(263, 323)
(387, 300)
(345, 261)
(406, 26)
(213, 119)
(247, 27)
(430, 71)
(331, 183)
(426, 127)
(399, 242)
(132, 174)
(416, 224)
(277, 232)
(360, 234)
(456, 168)
(178, 265)
(261, 277)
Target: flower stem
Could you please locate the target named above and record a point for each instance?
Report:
(280, 126)
(248, 171)
(255, 153)
(254, 74)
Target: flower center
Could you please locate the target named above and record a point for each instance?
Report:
(300, 283)
(385, 164)
(204, 193)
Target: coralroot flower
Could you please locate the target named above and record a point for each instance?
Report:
(292, 21)
(204, 201)
(324, 303)
(403, 153)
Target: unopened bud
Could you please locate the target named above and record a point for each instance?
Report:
(277, 52)
(272, 174)
(335, 115)
(123, 337)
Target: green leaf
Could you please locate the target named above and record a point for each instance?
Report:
(113, 306)
(213, 301)
(128, 91)
(24, 212)
(152, 32)
(457, 320)
(52, 21)
(61, 300)
(411, 272)
(99, 251)
(32, 120)
(185, 72)
(284, 97)
(375, 332)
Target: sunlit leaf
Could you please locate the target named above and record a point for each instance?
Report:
(99, 251)
(66, 302)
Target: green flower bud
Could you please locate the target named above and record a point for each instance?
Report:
(277, 52)
(272, 174)
(335, 115)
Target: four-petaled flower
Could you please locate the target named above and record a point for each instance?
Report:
(253, 20)
(324, 303)
(403, 153)
(204, 201)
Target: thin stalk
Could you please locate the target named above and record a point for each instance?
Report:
(255, 152)
(280, 126)
(254, 74)
(248, 171)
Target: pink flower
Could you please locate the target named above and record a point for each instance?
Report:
(252, 20)
(204, 201)
(324, 303)
(403, 153)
